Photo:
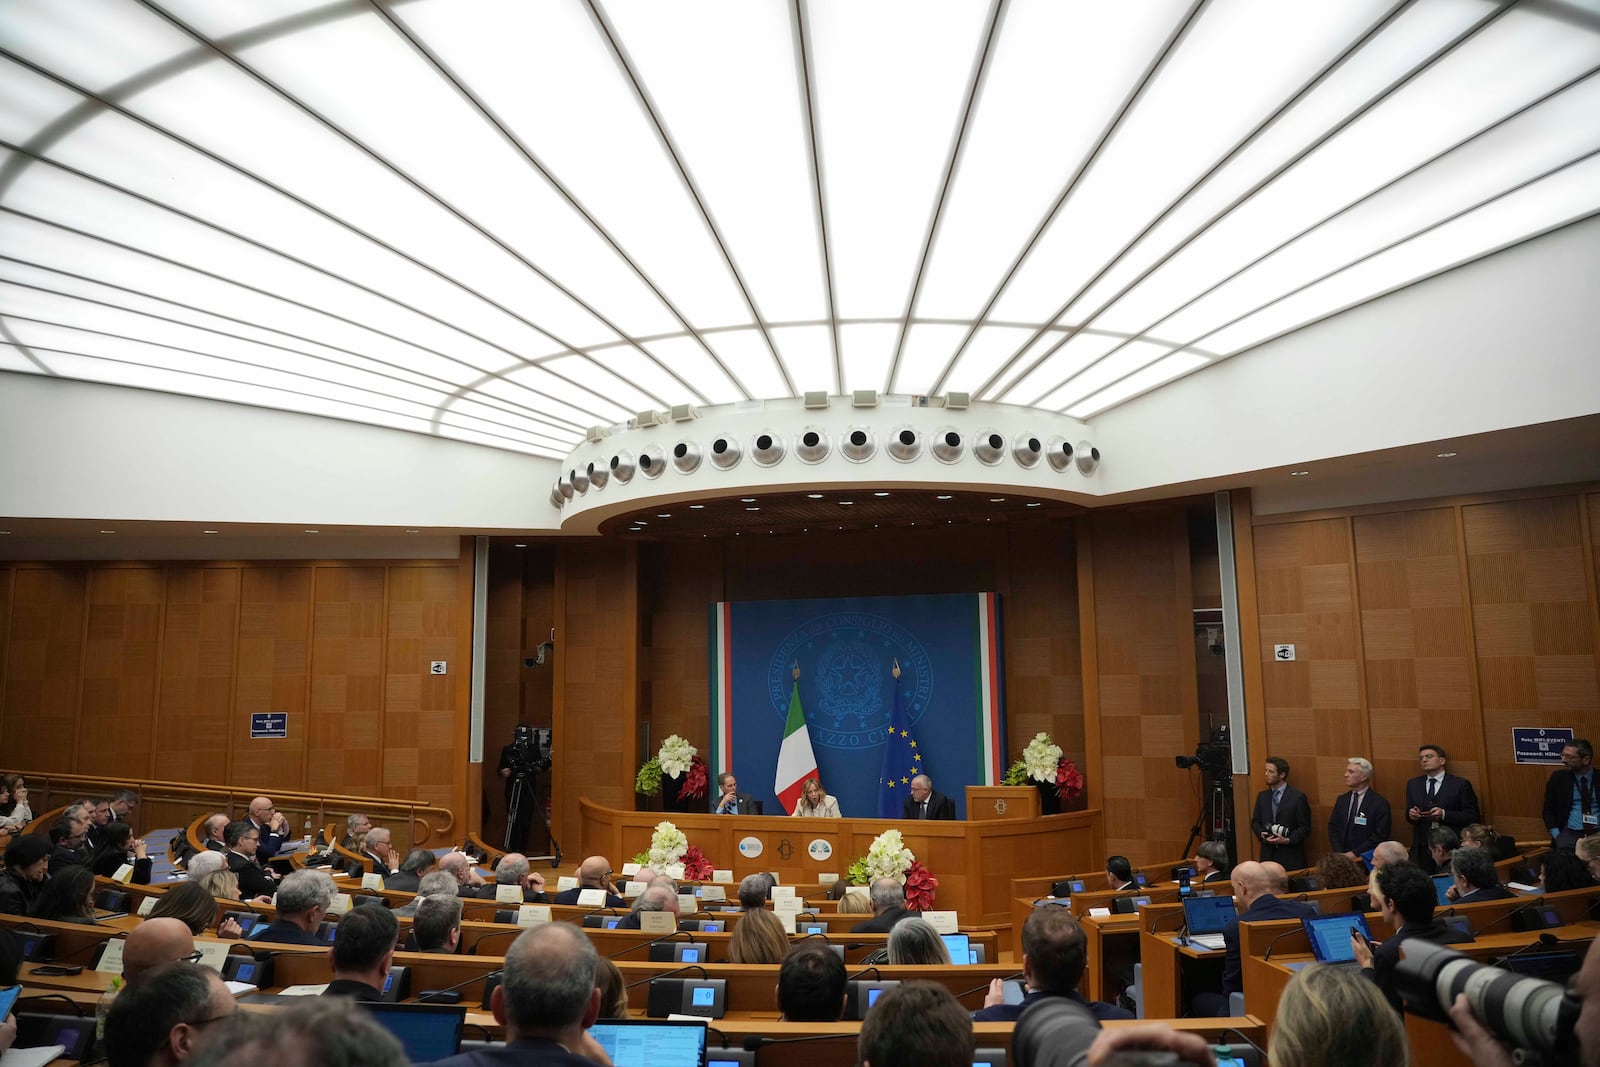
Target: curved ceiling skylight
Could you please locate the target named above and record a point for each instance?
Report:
(504, 222)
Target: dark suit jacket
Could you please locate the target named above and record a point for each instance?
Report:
(1214, 876)
(1294, 812)
(403, 881)
(1493, 892)
(1557, 798)
(1456, 797)
(1387, 955)
(63, 857)
(1344, 837)
(253, 880)
(570, 896)
(284, 932)
(529, 896)
(939, 807)
(882, 924)
(270, 842)
(1006, 1013)
(1261, 909)
(357, 991)
(748, 805)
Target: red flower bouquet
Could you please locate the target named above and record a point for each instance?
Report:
(695, 780)
(920, 887)
(1069, 780)
(696, 868)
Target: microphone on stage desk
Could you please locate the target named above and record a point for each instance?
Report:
(669, 974)
(1518, 910)
(1546, 941)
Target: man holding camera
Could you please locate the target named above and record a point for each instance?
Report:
(1282, 819)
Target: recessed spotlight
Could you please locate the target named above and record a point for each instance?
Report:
(997, 500)
(752, 509)
(1444, 455)
(663, 514)
(6, 533)
(520, 546)
(944, 496)
(846, 503)
(640, 522)
(747, 500)
(108, 531)
(208, 531)
(814, 496)
(880, 494)
(1034, 504)
(413, 531)
(1298, 474)
(697, 507)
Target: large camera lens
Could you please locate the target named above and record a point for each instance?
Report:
(1529, 1013)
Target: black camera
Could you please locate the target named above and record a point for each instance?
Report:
(530, 750)
(1214, 755)
(1524, 1011)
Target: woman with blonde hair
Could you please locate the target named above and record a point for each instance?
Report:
(1329, 1017)
(758, 937)
(855, 903)
(915, 942)
(815, 802)
(224, 884)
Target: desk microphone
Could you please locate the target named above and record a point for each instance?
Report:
(447, 995)
(654, 941)
(876, 974)
(1546, 940)
(1519, 909)
(755, 1042)
(984, 988)
(1274, 942)
(669, 974)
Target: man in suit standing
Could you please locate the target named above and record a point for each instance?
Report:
(732, 802)
(1282, 819)
(924, 803)
(1436, 797)
(1571, 806)
(1360, 821)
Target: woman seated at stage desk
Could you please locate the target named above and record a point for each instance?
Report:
(815, 802)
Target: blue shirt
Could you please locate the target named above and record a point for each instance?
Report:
(1575, 815)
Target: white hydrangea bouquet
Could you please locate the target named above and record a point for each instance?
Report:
(1041, 758)
(888, 857)
(667, 847)
(676, 756)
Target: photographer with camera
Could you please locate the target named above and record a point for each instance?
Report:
(1282, 818)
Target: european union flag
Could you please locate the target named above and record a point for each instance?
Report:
(902, 759)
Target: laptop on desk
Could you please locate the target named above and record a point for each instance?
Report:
(652, 1042)
(1330, 938)
(427, 1032)
(1207, 919)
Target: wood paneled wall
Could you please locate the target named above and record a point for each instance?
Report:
(520, 613)
(1444, 622)
(151, 671)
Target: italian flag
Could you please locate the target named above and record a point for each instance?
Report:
(796, 761)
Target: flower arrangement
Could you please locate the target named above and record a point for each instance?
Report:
(676, 758)
(695, 779)
(676, 755)
(1044, 762)
(1069, 780)
(667, 847)
(696, 868)
(920, 887)
(888, 857)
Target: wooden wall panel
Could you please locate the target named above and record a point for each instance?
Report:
(273, 667)
(1145, 678)
(1418, 654)
(7, 581)
(120, 665)
(194, 710)
(1043, 664)
(419, 746)
(345, 719)
(42, 667)
(678, 585)
(1533, 611)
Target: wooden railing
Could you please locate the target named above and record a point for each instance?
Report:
(177, 803)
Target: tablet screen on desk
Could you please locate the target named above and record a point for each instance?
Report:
(1330, 936)
(1210, 915)
(1441, 886)
(958, 945)
(651, 1042)
(427, 1032)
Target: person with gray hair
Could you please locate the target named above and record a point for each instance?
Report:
(754, 890)
(914, 942)
(205, 863)
(655, 898)
(1360, 821)
(166, 1016)
(514, 869)
(546, 1000)
(327, 1031)
(418, 862)
(355, 831)
(303, 900)
(437, 927)
(377, 850)
(123, 801)
(464, 871)
(433, 884)
(1475, 877)
(888, 907)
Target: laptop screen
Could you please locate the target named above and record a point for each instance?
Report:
(1441, 886)
(652, 1042)
(1330, 936)
(1210, 915)
(959, 946)
(426, 1031)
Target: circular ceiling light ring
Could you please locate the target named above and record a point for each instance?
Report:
(767, 449)
(812, 446)
(905, 444)
(859, 445)
(726, 452)
(652, 462)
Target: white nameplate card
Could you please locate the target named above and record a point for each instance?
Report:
(787, 918)
(508, 894)
(340, 905)
(658, 922)
(213, 953)
(788, 905)
(304, 990)
(722, 875)
(827, 878)
(633, 889)
(372, 881)
(124, 874)
(944, 922)
(687, 904)
(859, 890)
(533, 914)
(782, 892)
(566, 882)
(631, 869)
(713, 892)
(111, 958)
(147, 905)
(592, 898)
(1100, 912)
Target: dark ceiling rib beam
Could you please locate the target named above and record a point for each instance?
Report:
(494, 121)
(980, 66)
(1168, 46)
(230, 56)
(807, 78)
(1142, 334)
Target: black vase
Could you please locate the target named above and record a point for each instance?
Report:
(672, 798)
(1049, 799)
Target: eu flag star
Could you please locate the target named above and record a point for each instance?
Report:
(913, 744)
(904, 780)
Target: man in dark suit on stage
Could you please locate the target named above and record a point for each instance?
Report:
(1436, 797)
(924, 803)
(1282, 819)
(729, 801)
(1571, 805)
(1360, 820)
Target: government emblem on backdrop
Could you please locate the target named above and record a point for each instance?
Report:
(850, 654)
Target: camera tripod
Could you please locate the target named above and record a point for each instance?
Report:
(520, 800)
(1214, 821)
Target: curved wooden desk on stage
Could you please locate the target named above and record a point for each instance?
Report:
(973, 861)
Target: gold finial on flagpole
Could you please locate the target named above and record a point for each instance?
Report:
(896, 670)
(797, 670)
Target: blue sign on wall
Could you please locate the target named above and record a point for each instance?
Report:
(1540, 744)
(269, 724)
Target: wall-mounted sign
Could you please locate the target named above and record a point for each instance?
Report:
(269, 724)
(1540, 744)
(750, 847)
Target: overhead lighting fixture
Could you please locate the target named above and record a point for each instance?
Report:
(747, 500)
(664, 514)
(947, 445)
(408, 531)
(206, 531)
(767, 449)
(697, 507)
(880, 494)
(519, 546)
(905, 444)
(622, 467)
(640, 522)
(1298, 474)
(1445, 455)
(997, 500)
(1088, 458)
(846, 503)
(1033, 503)
(943, 496)
(859, 444)
(814, 496)
(113, 531)
(598, 475)
(753, 509)
(989, 447)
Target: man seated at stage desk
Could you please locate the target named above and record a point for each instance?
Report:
(593, 873)
(730, 801)
(1054, 952)
(1252, 896)
(925, 803)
